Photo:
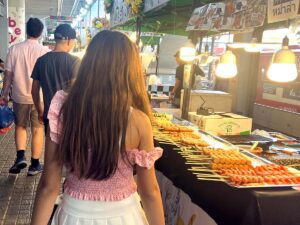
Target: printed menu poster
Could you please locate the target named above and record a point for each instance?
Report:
(280, 10)
(217, 17)
(256, 13)
(229, 15)
(120, 13)
(197, 18)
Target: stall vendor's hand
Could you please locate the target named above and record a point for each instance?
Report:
(3, 100)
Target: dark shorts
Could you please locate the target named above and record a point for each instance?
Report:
(26, 115)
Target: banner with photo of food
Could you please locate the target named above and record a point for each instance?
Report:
(280, 10)
(197, 18)
(120, 13)
(229, 15)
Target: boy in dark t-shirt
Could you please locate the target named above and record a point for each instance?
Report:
(54, 71)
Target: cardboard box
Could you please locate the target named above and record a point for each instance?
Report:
(224, 124)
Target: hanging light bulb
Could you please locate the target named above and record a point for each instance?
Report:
(226, 68)
(283, 66)
(253, 46)
(188, 52)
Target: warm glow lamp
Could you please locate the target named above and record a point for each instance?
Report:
(187, 52)
(283, 66)
(226, 68)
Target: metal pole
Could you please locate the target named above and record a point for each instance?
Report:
(98, 8)
(200, 45)
(4, 32)
(138, 30)
(211, 53)
(157, 58)
(186, 95)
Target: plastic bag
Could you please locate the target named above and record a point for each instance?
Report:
(6, 117)
(5, 130)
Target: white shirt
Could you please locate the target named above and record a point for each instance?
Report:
(20, 60)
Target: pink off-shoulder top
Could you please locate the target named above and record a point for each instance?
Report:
(120, 186)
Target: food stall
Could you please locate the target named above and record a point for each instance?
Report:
(233, 185)
(240, 178)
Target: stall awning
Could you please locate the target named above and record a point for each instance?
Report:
(172, 18)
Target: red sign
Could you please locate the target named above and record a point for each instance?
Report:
(16, 31)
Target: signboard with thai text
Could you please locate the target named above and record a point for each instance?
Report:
(280, 10)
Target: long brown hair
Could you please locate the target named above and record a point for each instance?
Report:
(95, 113)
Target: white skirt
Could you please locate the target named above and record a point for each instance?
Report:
(73, 211)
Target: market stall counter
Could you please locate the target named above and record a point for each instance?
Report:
(229, 205)
(233, 185)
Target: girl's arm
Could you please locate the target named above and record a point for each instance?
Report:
(146, 179)
(49, 185)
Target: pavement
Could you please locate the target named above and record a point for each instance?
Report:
(17, 192)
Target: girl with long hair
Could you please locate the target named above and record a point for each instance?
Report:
(100, 131)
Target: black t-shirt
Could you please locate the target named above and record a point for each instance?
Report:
(179, 76)
(54, 71)
(1, 69)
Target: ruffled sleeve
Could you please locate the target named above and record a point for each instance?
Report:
(143, 158)
(53, 115)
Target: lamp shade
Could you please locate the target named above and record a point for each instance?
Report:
(283, 66)
(187, 52)
(227, 68)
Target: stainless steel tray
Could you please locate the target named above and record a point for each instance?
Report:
(217, 142)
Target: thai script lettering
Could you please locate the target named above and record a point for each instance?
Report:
(281, 9)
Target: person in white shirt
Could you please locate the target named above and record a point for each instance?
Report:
(19, 64)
